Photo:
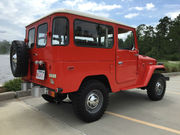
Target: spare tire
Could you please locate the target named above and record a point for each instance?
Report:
(19, 58)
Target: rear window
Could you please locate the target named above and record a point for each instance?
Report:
(89, 34)
(42, 35)
(60, 32)
(31, 37)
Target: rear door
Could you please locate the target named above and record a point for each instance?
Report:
(126, 58)
(39, 51)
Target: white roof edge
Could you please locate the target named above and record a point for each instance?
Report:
(74, 12)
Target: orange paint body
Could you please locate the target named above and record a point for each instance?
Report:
(67, 66)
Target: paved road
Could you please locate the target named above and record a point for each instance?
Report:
(129, 112)
(18, 118)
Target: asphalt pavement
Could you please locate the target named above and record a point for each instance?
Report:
(129, 112)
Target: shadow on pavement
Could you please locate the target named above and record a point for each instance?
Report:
(121, 102)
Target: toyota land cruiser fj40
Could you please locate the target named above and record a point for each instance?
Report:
(84, 57)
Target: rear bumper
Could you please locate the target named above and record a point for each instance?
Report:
(43, 85)
(57, 90)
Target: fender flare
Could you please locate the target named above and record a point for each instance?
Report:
(101, 77)
(150, 71)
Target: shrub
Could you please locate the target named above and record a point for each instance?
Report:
(13, 85)
(172, 67)
(174, 57)
(179, 66)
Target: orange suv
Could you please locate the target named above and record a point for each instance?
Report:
(84, 57)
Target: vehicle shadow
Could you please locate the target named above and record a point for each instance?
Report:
(121, 102)
(127, 99)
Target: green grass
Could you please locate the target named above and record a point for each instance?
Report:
(171, 66)
(13, 85)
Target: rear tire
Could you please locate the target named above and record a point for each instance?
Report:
(156, 87)
(90, 102)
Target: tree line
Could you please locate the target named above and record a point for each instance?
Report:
(161, 42)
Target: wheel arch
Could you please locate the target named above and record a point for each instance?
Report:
(150, 70)
(101, 78)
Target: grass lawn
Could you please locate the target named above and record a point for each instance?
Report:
(171, 66)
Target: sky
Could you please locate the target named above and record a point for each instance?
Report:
(16, 14)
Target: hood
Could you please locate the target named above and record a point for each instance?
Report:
(147, 60)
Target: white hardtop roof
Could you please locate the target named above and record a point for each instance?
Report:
(74, 12)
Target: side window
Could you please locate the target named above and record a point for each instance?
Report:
(42, 35)
(125, 39)
(106, 36)
(86, 33)
(60, 32)
(89, 34)
(31, 37)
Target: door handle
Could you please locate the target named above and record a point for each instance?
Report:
(120, 62)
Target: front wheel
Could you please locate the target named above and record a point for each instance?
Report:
(90, 101)
(156, 87)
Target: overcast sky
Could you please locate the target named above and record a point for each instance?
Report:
(16, 14)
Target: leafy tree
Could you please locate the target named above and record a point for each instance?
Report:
(162, 41)
(164, 26)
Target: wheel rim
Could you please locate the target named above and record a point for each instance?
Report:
(94, 101)
(14, 60)
(159, 87)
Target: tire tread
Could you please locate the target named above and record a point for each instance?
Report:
(151, 87)
(78, 104)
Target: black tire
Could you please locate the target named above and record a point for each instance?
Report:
(48, 98)
(19, 58)
(58, 98)
(156, 87)
(70, 95)
(86, 109)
